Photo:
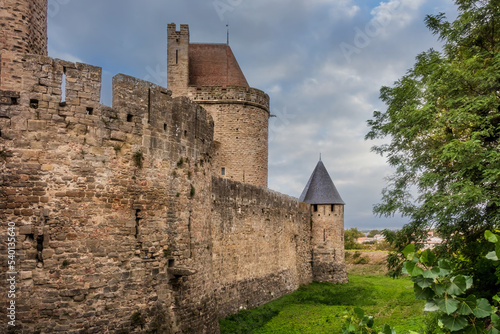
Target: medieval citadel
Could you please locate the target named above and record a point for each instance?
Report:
(152, 215)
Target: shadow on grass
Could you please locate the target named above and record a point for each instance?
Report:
(352, 294)
(328, 294)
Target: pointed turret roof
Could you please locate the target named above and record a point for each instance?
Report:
(320, 188)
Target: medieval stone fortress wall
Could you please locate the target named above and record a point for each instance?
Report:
(123, 221)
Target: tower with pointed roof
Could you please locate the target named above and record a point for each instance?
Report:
(210, 75)
(327, 226)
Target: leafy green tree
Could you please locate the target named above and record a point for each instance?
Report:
(372, 233)
(443, 125)
(350, 237)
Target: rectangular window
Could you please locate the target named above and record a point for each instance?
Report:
(177, 56)
(333, 207)
(222, 171)
(315, 207)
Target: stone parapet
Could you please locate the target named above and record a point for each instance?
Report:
(229, 95)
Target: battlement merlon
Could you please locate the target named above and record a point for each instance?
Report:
(174, 33)
(229, 95)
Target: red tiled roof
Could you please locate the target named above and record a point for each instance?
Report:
(214, 65)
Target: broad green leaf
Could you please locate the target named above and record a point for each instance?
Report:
(438, 288)
(483, 308)
(471, 329)
(496, 298)
(467, 306)
(454, 323)
(359, 312)
(456, 286)
(495, 319)
(431, 306)
(428, 258)
(433, 273)
(422, 293)
(492, 256)
(410, 249)
(468, 282)
(447, 305)
(493, 330)
(490, 236)
(413, 269)
(423, 282)
(445, 266)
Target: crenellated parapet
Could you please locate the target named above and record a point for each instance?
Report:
(229, 95)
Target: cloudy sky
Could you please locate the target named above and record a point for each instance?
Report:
(322, 62)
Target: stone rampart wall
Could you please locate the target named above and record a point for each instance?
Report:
(120, 226)
(261, 245)
(109, 204)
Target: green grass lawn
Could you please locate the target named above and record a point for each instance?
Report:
(320, 308)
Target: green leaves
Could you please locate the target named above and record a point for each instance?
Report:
(454, 322)
(447, 305)
(412, 269)
(428, 258)
(435, 281)
(483, 308)
(491, 237)
(357, 322)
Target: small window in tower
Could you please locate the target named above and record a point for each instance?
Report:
(185, 133)
(164, 126)
(177, 56)
(333, 207)
(223, 171)
(34, 104)
(130, 118)
(90, 111)
(315, 207)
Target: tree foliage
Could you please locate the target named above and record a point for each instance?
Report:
(443, 124)
(350, 237)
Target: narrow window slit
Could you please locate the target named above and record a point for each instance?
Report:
(63, 86)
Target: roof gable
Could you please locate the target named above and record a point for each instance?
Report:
(320, 188)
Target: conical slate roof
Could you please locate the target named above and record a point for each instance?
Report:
(320, 188)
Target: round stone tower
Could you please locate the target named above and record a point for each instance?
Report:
(210, 75)
(327, 224)
(24, 26)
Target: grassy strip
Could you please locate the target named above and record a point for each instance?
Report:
(320, 307)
